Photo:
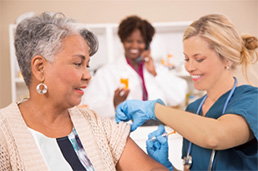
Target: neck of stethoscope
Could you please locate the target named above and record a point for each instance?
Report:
(230, 95)
(223, 111)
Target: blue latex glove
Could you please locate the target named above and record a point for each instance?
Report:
(158, 148)
(137, 110)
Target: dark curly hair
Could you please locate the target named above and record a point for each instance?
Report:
(131, 23)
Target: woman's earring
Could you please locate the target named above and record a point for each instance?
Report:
(41, 88)
(228, 68)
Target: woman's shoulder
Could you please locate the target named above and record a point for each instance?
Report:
(92, 117)
(86, 112)
(8, 110)
(247, 92)
(245, 97)
(247, 88)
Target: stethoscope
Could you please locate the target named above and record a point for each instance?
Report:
(188, 159)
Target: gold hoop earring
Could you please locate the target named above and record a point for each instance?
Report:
(40, 90)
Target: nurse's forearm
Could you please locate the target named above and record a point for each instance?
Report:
(199, 130)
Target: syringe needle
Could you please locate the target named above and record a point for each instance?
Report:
(163, 135)
(171, 133)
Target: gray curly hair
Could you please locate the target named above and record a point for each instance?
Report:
(42, 35)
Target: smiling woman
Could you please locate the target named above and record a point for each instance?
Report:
(48, 131)
(147, 80)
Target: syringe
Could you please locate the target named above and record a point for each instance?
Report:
(165, 134)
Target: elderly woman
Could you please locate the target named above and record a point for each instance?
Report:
(47, 131)
(220, 129)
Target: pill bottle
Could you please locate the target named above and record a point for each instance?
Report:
(124, 80)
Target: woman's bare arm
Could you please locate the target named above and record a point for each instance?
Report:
(134, 158)
(228, 131)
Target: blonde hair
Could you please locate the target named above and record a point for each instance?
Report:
(224, 39)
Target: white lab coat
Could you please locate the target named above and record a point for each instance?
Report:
(99, 94)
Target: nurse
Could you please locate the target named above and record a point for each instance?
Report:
(220, 129)
(147, 81)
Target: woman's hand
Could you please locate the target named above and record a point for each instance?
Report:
(136, 110)
(120, 95)
(148, 62)
(158, 148)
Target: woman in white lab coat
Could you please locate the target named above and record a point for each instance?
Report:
(146, 80)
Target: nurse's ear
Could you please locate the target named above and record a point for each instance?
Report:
(38, 65)
(228, 65)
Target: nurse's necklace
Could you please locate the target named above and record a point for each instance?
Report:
(188, 159)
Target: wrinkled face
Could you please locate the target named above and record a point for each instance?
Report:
(203, 64)
(134, 45)
(68, 75)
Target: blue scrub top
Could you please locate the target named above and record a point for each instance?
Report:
(244, 102)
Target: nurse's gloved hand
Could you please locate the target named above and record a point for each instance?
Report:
(158, 148)
(136, 110)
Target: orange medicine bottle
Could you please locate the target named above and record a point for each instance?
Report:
(124, 80)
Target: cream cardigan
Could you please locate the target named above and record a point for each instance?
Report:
(103, 140)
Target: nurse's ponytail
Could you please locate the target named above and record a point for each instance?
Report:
(249, 54)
